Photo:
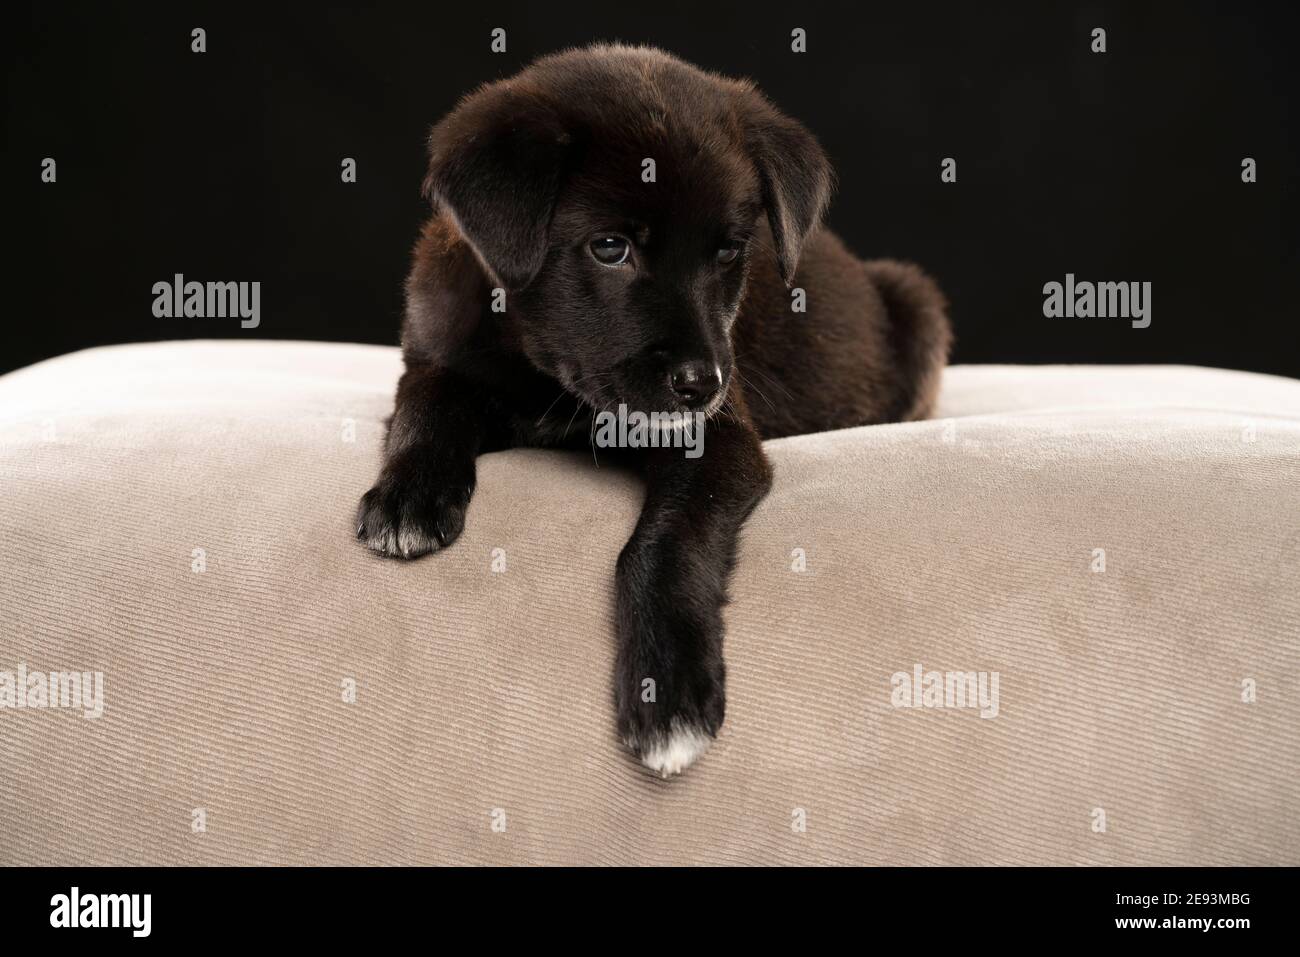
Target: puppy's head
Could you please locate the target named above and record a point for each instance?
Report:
(620, 196)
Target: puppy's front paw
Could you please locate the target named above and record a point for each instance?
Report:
(672, 752)
(670, 683)
(406, 518)
(669, 723)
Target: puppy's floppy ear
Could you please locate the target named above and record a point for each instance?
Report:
(795, 174)
(496, 163)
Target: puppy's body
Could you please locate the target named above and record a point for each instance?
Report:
(870, 348)
(539, 184)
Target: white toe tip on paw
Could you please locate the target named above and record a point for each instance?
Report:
(677, 752)
(411, 542)
(402, 542)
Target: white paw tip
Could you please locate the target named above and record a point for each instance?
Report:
(403, 542)
(677, 752)
(412, 542)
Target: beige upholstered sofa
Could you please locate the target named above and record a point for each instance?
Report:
(1121, 546)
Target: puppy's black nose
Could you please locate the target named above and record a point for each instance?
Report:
(695, 382)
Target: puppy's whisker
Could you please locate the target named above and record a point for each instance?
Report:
(563, 393)
(771, 380)
(750, 385)
(727, 409)
(568, 389)
(592, 434)
(577, 407)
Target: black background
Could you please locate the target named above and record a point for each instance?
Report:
(1122, 166)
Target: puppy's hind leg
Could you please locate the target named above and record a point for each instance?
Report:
(918, 332)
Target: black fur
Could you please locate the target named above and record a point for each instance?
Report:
(523, 175)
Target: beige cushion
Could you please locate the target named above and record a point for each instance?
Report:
(482, 696)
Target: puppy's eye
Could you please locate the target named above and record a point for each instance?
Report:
(727, 254)
(610, 250)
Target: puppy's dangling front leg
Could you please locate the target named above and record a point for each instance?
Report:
(671, 586)
(418, 503)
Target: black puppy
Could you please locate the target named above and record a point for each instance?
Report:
(651, 230)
